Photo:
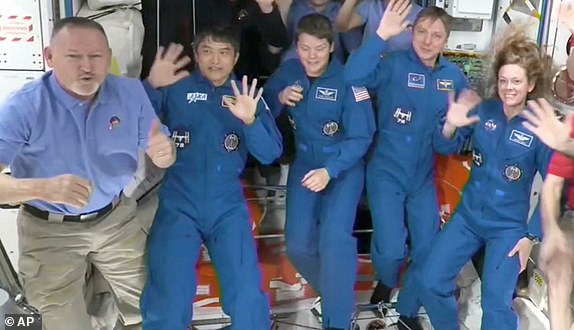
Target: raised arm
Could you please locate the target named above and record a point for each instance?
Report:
(365, 67)
(262, 135)
(348, 18)
(543, 122)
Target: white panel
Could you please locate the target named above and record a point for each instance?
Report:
(25, 27)
(13, 80)
(471, 9)
(472, 41)
(21, 35)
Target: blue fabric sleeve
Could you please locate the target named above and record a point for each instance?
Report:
(271, 90)
(263, 137)
(358, 123)
(365, 66)
(446, 146)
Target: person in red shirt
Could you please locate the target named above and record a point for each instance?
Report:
(557, 250)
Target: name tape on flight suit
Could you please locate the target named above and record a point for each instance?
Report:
(229, 98)
(445, 85)
(521, 138)
(196, 96)
(327, 94)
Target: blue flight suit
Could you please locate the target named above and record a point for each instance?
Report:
(333, 125)
(493, 213)
(201, 201)
(411, 105)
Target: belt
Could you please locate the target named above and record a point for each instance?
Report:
(55, 217)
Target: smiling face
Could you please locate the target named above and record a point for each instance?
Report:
(80, 58)
(429, 39)
(216, 60)
(314, 54)
(513, 86)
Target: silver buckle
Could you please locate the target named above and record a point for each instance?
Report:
(88, 216)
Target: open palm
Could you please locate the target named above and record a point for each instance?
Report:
(459, 110)
(168, 66)
(394, 20)
(244, 106)
(543, 122)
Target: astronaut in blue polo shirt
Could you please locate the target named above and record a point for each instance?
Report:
(215, 124)
(412, 88)
(72, 140)
(333, 124)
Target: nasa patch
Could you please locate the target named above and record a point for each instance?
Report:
(490, 125)
(114, 122)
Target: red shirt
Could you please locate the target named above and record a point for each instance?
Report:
(563, 166)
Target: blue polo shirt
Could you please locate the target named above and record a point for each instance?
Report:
(46, 132)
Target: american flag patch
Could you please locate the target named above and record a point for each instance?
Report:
(360, 93)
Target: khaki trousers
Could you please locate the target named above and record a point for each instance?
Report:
(54, 258)
(559, 273)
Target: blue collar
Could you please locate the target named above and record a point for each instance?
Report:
(333, 68)
(440, 63)
(198, 77)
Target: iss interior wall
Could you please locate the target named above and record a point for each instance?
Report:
(25, 25)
